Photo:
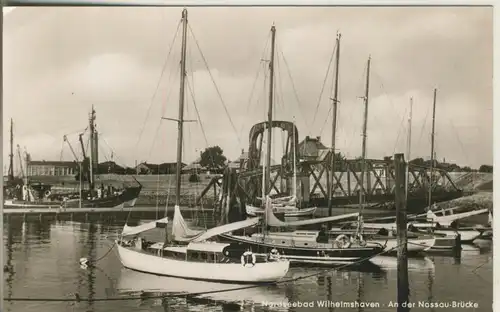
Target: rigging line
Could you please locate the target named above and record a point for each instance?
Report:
(216, 87)
(365, 68)
(158, 83)
(326, 119)
(254, 84)
(197, 113)
(299, 103)
(281, 100)
(423, 126)
(394, 109)
(458, 139)
(62, 151)
(400, 130)
(164, 108)
(324, 83)
(114, 153)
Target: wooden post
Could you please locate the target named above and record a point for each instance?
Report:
(403, 286)
(457, 248)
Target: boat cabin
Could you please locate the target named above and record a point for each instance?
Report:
(198, 252)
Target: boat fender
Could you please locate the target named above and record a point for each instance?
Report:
(275, 255)
(47, 193)
(248, 259)
(342, 241)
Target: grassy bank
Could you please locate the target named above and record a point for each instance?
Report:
(480, 200)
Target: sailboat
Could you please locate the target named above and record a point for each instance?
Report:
(312, 247)
(441, 223)
(282, 205)
(31, 195)
(446, 225)
(196, 258)
(387, 237)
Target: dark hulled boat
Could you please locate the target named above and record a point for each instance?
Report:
(26, 194)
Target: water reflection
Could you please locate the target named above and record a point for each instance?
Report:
(91, 256)
(132, 283)
(44, 256)
(9, 267)
(360, 290)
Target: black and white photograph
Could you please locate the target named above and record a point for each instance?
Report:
(161, 157)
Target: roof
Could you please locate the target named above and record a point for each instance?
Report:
(193, 166)
(52, 163)
(162, 165)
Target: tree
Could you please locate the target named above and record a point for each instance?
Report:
(418, 161)
(486, 168)
(213, 158)
(466, 169)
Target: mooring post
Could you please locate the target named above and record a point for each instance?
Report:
(403, 285)
(457, 247)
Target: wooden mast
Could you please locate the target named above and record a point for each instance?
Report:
(180, 121)
(11, 155)
(408, 148)
(432, 148)
(270, 114)
(363, 150)
(93, 148)
(334, 127)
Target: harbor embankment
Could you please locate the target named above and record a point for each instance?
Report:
(159, 189)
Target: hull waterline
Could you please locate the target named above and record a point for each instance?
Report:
(268, 272)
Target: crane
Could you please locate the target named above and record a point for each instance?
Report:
(20, 161)
(65, 138)
(81, 144)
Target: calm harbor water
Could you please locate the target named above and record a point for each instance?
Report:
(44, 260)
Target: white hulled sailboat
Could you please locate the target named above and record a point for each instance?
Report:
(199, 259)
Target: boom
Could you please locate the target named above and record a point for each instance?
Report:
(81, 144)
(20, 161)
(65, 138)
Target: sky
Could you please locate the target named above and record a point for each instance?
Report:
(58, 62)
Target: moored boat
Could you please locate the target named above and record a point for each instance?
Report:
(287, 211)
(207, 261)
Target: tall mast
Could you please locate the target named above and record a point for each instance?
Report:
(334, 125)
(180, 121)
(294, 189)
(270, 112)
(93, 148)
(363, 150)
(408, 148)
(11, 155)
(432, 147)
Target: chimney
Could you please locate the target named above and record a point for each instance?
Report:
(318, 138)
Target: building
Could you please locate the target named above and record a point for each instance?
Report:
(195, 167)
(51, 168)
(164, 168)
(240, 162)
(311, 149)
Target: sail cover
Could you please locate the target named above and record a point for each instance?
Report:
(227, 228)
(272, 220)
(134, 230)
(180, 230)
